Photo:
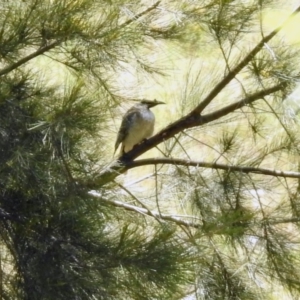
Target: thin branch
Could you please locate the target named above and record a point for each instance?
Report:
(237, 105)
(231, 74)
(149, 212)
(27, 58)
(134, 18)
(144, 211)
(201, 164)
(131, 20)
(207, 145)
(284, 221)
(141, 179)
(176, 219)
(156, 189)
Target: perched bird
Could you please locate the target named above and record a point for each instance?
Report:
(137, 125)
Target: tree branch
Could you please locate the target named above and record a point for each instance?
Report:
(144, 211)
(134, 18)
(201, 164)
(231, 74)
(27, 58)
(137, 200)
(178, 219)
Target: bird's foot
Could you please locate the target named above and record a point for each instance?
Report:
(143, 141)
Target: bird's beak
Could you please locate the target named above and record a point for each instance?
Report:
(158, 102)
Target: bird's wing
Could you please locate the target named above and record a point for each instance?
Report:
(128, 118)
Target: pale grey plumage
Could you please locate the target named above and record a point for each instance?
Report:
(137, 125)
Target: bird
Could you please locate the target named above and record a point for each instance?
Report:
(137, 125)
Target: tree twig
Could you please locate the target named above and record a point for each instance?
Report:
(27, 58)
(201, 164)
(231, 74)
(144, 211)
(138, 200)
(178, 220)
(134, 18)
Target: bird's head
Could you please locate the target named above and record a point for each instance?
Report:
(151, 103)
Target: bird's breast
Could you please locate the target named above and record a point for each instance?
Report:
(142, 127)
(144, 124)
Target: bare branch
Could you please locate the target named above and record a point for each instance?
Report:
(201, 164)
(284, 221)
(134, 18)
(231, 74)
(27, 58)
(178, 219)
(149, 212)
(144, 211)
